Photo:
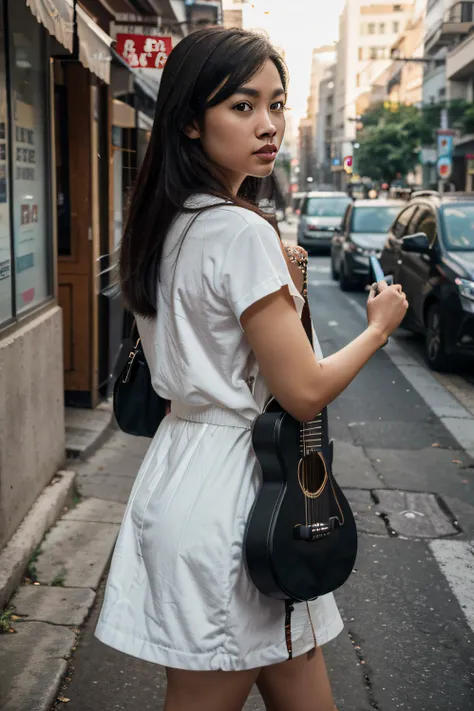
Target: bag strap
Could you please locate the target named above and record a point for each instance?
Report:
(306, 313)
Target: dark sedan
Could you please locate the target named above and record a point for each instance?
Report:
(362, 234)
(430, 252)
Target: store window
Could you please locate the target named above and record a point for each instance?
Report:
(6, 288)
(29, 157)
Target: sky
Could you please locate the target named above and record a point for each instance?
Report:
(298, 26)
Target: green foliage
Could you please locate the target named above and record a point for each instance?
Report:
(6, 621)
(393, 134)
(59, 579)
(468, 120)
(31, 572)
(389, 142)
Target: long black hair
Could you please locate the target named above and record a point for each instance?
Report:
(175, 166)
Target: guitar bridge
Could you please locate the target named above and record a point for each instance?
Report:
(314, 531)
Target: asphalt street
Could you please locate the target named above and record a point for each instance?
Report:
(408, 608)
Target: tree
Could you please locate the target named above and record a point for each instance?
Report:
(389, 141)
(386, 151)
(393, 134)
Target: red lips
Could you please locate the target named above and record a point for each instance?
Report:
(269, 148)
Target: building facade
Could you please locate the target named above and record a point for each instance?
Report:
(434, 75)
(326, 168)
(305, 153)
(75, 118)
(322, 58)
(449, 42)
(460, 85)
(367, 31)
(232, 13)
(405, 79)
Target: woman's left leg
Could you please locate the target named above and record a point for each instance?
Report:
(208, 690)
(299, 684)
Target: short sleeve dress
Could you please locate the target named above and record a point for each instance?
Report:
(178, 592)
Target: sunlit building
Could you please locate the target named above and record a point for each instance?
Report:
(367, 33)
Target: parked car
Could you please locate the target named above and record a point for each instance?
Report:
(321, 213)
(430, 252)
(363, 232)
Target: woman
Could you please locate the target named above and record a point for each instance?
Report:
(218, 310)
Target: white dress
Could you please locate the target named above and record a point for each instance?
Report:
(178, 591)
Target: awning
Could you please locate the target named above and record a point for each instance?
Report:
(94, 46)
(123, 115)
(58, 18)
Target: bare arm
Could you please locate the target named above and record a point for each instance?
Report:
(301, 384)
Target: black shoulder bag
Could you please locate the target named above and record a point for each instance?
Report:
(138, 408)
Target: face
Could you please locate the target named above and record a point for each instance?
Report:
(242, 135)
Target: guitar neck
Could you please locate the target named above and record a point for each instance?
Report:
(314, 435)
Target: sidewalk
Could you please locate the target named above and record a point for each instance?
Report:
(63, 576)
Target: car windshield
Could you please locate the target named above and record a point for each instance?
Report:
(374, 219)
(459, 226)
(326, 206)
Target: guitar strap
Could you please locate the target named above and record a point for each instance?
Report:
(306, 321)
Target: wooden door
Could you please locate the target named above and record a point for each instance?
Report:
(76, 227)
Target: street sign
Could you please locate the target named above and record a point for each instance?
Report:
(445, 145)
(444, 167)
(145, 51)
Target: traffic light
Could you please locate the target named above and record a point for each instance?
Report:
(348, 164)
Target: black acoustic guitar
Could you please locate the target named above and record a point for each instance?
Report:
(301, 537)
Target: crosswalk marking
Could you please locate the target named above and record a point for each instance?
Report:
(456, 561)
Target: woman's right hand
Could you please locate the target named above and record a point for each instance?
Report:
(386, 309)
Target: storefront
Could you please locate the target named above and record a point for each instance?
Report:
(56, 226)
(31, 377)
(26, 248)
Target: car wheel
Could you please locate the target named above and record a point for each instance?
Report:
(435, 351)
(334, 272)
(345, 281)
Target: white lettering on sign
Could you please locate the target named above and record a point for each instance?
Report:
(160, 60)
(154, 45)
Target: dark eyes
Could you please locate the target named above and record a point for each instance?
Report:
(244, 106)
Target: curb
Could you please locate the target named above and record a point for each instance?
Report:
(86, 430)
(42, 515)
(48, 615)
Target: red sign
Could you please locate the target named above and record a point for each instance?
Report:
(145, 51)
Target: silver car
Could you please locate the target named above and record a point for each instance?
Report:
(321, 214)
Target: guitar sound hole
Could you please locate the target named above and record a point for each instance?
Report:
(312, 475)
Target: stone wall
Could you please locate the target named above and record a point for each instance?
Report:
(31, 415)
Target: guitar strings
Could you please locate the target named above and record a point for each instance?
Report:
(315, 505)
